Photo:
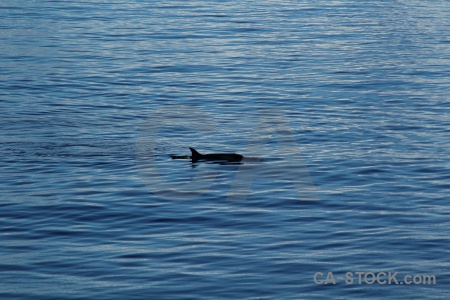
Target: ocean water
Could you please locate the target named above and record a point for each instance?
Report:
(341, 109)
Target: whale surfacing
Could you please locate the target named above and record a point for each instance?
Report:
(231, 157)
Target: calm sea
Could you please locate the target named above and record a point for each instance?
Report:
(341, 109)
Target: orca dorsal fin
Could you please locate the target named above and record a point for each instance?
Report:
(195, 154)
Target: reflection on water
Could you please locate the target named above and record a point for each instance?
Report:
(339, 108)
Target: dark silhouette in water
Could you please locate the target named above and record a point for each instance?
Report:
(196, 156)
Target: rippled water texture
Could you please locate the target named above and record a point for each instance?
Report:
(341, 109)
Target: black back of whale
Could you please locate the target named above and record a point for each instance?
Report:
(215, 156)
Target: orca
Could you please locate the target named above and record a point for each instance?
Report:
(196, 156)
(215, 156)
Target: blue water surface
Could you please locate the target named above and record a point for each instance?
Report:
(341, 109)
